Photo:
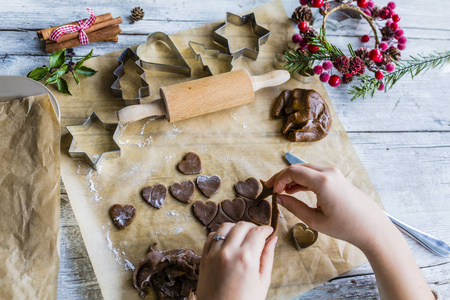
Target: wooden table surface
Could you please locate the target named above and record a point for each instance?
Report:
(402, 137)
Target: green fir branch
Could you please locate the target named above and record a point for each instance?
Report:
(368, 85)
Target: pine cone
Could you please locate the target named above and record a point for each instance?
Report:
(302, 14)
(325, 9)
(341, 63)
(385, 13)
(137, 14)
(356, 65)
(376, 12)
(386, 59)
(395, 53)
(386, 33)
(363, 53)
(347, 80)
(309, 32)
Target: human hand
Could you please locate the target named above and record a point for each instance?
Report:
(238, 267)
(343, 211)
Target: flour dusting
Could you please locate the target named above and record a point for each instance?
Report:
(125, 262)
(92, 185)
(234, 117)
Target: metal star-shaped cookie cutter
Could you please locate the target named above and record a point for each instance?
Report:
(200, 51)
(261, 32)
(93, 160)
(116, 89)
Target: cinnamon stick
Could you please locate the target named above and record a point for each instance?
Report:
(95, 27)
(44, 34)
(96, 36)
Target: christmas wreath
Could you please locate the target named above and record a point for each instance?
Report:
(376, 68)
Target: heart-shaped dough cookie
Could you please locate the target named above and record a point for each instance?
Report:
(205, 212)
(122, 216)
(303, 236)
(249, 188)
(209, 185)
(219, 219)
(191, 164)
(155, 196)
(183, 192)
(260, 213)
(234, 209)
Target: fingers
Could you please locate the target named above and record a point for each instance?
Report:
(256, 239)
(301, 174)
(223, 230)
(267, 255)
(237, 235)
(300, 209)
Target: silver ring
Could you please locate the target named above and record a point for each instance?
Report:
(218, 237)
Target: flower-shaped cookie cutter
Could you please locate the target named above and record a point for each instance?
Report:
(182, 67)
(261, 32)
(116, 89)
(92, 160)
(200, 51)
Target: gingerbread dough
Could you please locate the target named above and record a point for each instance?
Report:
(183, 192)
(155, 196)
(209, 185)
(122, 216)
(191, 164)
(173, 273)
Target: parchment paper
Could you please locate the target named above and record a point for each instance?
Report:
(29, 189)
(234, 144)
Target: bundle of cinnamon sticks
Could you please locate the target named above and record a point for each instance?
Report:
(104, 29)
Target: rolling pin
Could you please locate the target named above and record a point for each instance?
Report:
(202, 96)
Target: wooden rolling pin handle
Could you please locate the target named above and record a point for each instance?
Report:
(141, 111)
(273, 78)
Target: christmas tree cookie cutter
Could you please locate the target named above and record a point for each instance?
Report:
(182, 67)
(116, 89)
(261, 32)
(200, 51)
(94, 160)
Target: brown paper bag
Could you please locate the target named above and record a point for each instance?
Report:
(29, 198)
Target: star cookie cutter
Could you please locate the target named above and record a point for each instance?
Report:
(261, 32)
(116, 89)
(200, 51)
(92, 160)
(182, 68)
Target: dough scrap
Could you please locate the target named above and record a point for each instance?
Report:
(173, 273)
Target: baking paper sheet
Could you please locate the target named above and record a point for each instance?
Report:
(234, 144)
(29, 198)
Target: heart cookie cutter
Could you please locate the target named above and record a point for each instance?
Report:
(183, 67)
(116, 89)
(303, 236)
(93, 160)
(261, 32)
(200, 51)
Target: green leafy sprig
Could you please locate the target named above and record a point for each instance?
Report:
(60, 65)
(298, 62)
(421, 64)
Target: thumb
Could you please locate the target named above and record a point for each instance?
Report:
(267, 259)
(300, 209)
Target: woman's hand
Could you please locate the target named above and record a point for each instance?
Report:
(342, 211)
(238, 267)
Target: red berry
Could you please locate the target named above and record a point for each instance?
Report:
(395, 18)
(363, 3)
(296, 38)
(301, 50)
(388, 23)
(394, 26)
(379, 75)
(303, 43)
(324, 77)
(303, 2)
(370, 4)
(401, 47)
(302, 26)
(318, 69)
(334, 80)
(402, 40)
(390, 67)
(374, 55)
(367, 12)
(381, 87)
(327, 65)
(391, 5)
(313, 48)
(317, 3)
(365, 38)
(399, 32)
(383, 46)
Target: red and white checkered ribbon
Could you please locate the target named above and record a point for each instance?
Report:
(72, 28)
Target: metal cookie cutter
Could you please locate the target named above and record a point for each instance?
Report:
(144, 91)
(201, 51)
(261, 32)
(182, 68)
(94, 161)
